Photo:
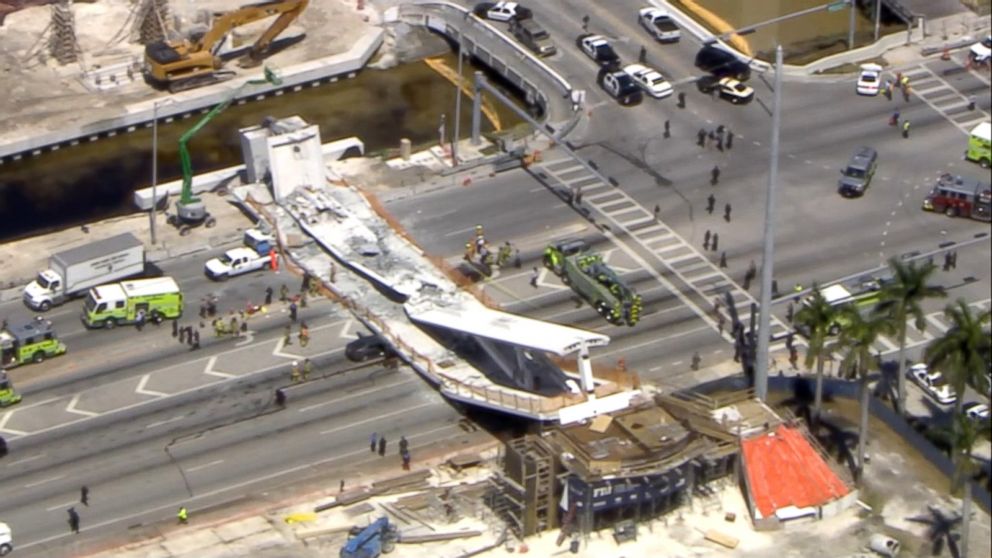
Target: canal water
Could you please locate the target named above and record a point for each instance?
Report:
(94, 181)
(805, 38)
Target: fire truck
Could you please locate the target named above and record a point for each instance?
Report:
(958, 196)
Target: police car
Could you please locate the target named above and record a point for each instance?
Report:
(502, 11)
(650, 80)
(869, 80)
(597, 48)
(620, 86)
(727, 88)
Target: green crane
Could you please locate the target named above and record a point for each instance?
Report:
(190, 210)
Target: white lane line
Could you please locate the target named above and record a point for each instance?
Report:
(71, 407)
(141, 387)
(43, 481)
(163, 422)
(209, 369)
(655, 340)
(654, 368)
(460, 231)
(61, 507)
(204, 466)
(346, 328)
(354, 394)
(26, 460)
(375, 418)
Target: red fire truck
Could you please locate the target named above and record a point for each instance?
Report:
(958, 196)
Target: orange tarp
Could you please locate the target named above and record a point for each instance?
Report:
(784, 470)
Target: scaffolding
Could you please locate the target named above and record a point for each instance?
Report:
(150, 25)
(524, 489)
(62, 43)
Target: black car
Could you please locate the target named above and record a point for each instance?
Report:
(721, 64)
(367, 347)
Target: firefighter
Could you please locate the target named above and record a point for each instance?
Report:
(905, 129)
(294, 372)
(469, 251)
(182, 515)
(505, 251)
(304, 334)
(287, 338)
(283, 293)
(307, 369)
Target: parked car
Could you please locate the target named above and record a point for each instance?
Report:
(727, 88)
(856, 176)
(650, 80)
(721, 63)
(502, 11)
(597, 48)
(367, 347)
(530, 33)
(978, 412)
(981, 52)
(933, 383)
(869, 80)
(619, 85)
(659, 24)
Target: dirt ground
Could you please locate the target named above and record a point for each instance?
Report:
(42, 95)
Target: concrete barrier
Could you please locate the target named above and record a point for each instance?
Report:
(185, 104)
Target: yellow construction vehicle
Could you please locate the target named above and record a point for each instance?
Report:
(194, 62)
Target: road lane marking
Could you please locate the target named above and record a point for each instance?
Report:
(353, 394)
(204, 466)
(43, 481)
(249, 336)
(377, 417)
(71, 407)
(141, 387)
(655, 341)
(26, 459)
(346, 328)
(210, 494)
(61, 507)
(460, 231)
(164, 422)
(210, 369)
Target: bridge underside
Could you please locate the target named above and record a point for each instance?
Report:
(505, 363)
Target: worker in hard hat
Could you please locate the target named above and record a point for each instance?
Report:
(294, 373)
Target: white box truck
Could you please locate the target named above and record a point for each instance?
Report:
(73, 272)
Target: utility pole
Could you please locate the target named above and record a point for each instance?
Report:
(151, 216)
(878, 17)
(768, 258)
(850, 26)
(458, 105)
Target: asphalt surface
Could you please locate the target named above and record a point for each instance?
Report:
(149, 425)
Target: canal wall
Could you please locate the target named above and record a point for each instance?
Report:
(189, 103)
(541, 85)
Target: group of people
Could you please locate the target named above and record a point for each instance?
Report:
(479, 249)
(377, 443)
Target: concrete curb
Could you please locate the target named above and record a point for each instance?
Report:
(139, 114)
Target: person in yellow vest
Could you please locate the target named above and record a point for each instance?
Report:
(183, 515)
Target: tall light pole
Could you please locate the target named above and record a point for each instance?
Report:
(151, 215)
(768, 258)
(850, 26)
(458, 105)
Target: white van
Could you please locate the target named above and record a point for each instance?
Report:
(6, 540)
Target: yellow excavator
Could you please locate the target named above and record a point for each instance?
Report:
(194, 62)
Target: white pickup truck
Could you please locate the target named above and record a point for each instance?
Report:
(235, 261)
(659, 24)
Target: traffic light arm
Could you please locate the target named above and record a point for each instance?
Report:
(747, 30)
(186, 197)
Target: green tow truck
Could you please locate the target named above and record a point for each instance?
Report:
(593, 280)
(31, 340)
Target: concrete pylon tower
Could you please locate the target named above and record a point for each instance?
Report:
(62, 41)
(152, 22)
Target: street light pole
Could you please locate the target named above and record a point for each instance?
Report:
(768, 258)
(151, 215)
(850, 26)
(458, 105)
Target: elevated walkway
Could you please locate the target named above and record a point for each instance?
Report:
(474, 354)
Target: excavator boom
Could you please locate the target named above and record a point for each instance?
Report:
(187, 64)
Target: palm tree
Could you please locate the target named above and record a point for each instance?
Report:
(963, 437)
(857, 336)
(901, 300)
(817, 316)
(961, 353)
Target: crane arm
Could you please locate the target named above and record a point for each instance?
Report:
(224, 22)
(277, 27)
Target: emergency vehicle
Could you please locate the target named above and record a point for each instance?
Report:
(980, 145)
(8, 396)
(111, 305)
(27, 341)
(958, 196)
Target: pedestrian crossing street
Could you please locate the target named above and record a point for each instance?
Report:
(944, 98)
(697, 274)
(937, 324)
(699, 280)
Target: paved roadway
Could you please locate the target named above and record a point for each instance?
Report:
(821, 236)
(149, 425)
